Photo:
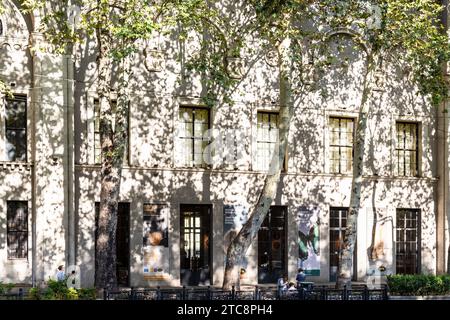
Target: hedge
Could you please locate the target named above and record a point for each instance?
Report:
(58, 290)
(419, 285)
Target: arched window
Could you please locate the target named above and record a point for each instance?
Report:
(1, 27)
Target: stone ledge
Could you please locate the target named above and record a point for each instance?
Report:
(419, 297)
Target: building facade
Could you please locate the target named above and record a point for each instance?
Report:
(179, 203)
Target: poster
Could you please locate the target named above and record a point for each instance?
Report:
(234, 217)
(309, 240)
(156, 241)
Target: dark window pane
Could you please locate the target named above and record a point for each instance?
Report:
(17, 229)
(16, 129)
(16, 113)
(16, 145)
(407, 150)
(407, 241)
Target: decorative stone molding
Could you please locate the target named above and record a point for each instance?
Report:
(153, 60)
(271, 58)
(15, 166)
(16, 44)
(235, 68)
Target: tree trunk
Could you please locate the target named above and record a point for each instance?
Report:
(346, 258)
(113, 143)
(241, 243)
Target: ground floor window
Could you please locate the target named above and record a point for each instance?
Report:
(407, 245)
(17, 229)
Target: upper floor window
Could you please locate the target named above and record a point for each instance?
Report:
(1, 27)
(16, 128)
(341, 144)
(407, 149)
(193, 126)
(267, 139)
(97, 142)
(17, 229)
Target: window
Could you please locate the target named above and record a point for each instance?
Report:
(194, 123)
(16, 129)
(17, 229)
(407, 245)
(267, 139)
(341, 145)
(407, 151)
(97, 143)
(1, 27)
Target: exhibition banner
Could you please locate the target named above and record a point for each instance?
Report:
(308, 240)
(156, 241)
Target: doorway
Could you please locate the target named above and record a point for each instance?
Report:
(272, 246)
(122, 242)
(195, 245)
(338, 225)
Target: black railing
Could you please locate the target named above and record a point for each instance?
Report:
(208, 293)
(12, 296)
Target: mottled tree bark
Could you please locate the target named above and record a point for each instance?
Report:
(346, 257)
(113, 143)
(241, 243)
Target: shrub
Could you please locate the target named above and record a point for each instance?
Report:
(5, 287)
(58, 290)
(421, 285)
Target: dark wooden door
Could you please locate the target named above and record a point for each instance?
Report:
(272, 246)
(123, 245)
(122, 242)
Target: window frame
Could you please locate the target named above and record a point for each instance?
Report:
(126, 159)
(193, 138)
(20, 98)
(24, 231)
(284, 166)
(417, 151)
(339, 146)
(404, 229)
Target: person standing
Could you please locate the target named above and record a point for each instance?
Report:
(301, 276)
(60, 275)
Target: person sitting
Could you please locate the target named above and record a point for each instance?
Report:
(292, 287)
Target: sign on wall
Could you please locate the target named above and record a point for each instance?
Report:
(156, 241)
(234, 217)
(309, 240)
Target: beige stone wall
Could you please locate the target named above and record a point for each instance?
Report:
(154, 175)
(61, 182)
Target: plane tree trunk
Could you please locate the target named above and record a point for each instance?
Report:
(345, 267)
(241, 243)
(113, 137)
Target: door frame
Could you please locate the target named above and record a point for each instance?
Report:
(96, 213)
(209, 210)
(284, 242)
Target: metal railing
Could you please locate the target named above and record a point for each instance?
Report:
(208, 293)
(12, 296)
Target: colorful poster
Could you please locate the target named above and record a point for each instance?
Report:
(156, 242)
(309, 240)
(234, 217)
